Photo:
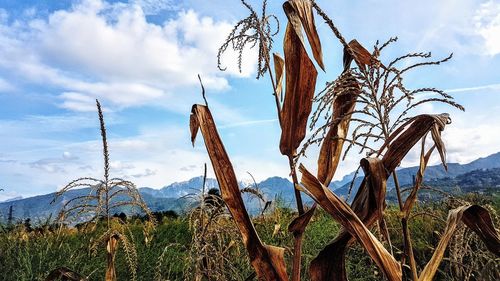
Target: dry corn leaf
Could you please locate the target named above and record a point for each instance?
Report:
(300, 84)
(475, 217)
(330, 263)
(279, 66)
(298, 225)
(267, 261)
(342, 213)
(424, 160)
(63, 273)
(407, 135)
(360, 55)
(300, 12)
(331, 148)
(368, 205)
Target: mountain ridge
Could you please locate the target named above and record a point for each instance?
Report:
(176, 196)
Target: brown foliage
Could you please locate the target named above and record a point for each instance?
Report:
(268, 261)
(300, 12)
(300, 84)
(342, 213)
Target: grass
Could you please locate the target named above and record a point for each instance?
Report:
(31, 255)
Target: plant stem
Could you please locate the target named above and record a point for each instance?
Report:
(300, 206)
(297, 253)
(409, 248)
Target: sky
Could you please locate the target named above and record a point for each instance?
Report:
(141, 58)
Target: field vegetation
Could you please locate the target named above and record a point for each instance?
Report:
(367, 107)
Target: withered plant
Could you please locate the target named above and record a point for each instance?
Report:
(214, 237)
(370, 96)
(106, 196)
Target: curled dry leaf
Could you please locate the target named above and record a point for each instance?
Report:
(279, 66)
(268, 261)
(407, 135)
(476, 218)
(300, 12)
(300, 84)
(347, 217)
(360, 55)
(368, 205)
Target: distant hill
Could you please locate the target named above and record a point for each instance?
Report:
(479, 175)
(405, 175)
(480, 180)
(180, 189)
(39, 208)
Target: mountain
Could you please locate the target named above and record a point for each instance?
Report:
(479, 175)
(181, 189)
(39, 208)
(480, 180)
(405, 175)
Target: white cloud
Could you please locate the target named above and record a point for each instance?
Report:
(5, 86)
(474, 88)
(487, 24)
(110, 51)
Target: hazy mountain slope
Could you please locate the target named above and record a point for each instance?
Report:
(478, 175)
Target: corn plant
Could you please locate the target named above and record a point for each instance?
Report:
(105, 197)
(376, 88)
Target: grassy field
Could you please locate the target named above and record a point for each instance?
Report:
(176, 250)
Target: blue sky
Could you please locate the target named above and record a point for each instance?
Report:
(141, 58)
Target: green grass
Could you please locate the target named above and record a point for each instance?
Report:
(31, 256)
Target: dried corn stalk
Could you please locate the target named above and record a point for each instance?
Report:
(268, 261)
(475, 217)
(368, 205)
(105, 197)
(369, 201)
(342, 213)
